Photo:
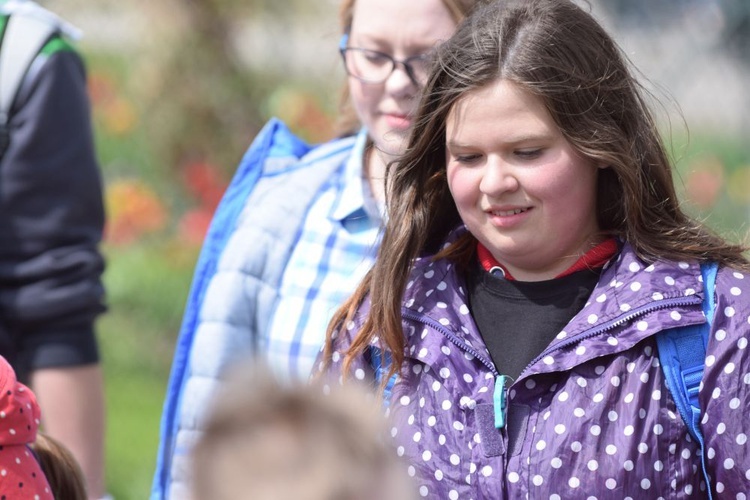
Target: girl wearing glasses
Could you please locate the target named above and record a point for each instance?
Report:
(534, 258)
(298, 226)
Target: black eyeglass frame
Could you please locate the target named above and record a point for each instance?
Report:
(406, 63)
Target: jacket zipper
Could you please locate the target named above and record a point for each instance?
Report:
(612, 324)
(502, 382)
(408, 314)
(500, 396)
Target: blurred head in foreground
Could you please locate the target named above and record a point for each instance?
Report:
(264, 440)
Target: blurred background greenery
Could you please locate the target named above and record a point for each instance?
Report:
(180, 87)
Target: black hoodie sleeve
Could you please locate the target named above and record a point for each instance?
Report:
(51, 220)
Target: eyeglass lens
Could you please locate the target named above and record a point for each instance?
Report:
(375, 67)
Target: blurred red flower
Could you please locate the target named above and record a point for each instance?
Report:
(133, 210)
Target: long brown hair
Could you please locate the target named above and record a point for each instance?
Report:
(347, 122)
(61, 469)
(559, 53)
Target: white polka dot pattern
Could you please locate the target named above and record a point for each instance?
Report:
(601, 423)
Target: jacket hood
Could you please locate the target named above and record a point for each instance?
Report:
(20, 474)
(19, 411)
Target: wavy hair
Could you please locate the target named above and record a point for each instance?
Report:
(557, 52)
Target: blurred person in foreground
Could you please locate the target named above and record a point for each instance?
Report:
(51, 221)
(298, 226)
(267, 441)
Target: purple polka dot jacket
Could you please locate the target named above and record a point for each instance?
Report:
(591, 416)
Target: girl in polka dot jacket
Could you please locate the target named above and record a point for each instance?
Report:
(534, 249)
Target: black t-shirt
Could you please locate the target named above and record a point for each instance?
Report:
(519, 319)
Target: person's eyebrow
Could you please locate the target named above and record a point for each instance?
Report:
(452, 144)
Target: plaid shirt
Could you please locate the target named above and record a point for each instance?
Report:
(336, 247)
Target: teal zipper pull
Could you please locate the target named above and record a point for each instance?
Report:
(500, 399)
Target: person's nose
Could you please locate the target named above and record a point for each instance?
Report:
(499, 177)
(399, 82)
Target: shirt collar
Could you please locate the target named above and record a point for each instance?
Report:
(356, 195)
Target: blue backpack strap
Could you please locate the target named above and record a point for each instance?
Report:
(380, 365)
(682, 354)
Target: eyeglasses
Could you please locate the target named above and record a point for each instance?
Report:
(372, 66)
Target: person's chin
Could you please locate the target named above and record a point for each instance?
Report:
(393, 146)
(392, 142)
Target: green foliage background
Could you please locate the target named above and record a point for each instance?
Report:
(170, 89)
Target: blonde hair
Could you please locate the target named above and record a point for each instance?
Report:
(63, 472)
(267, 441)
(347, 122)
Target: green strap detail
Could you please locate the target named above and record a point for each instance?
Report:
(3, 22)
(57, 44)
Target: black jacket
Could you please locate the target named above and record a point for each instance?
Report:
(51, 210)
